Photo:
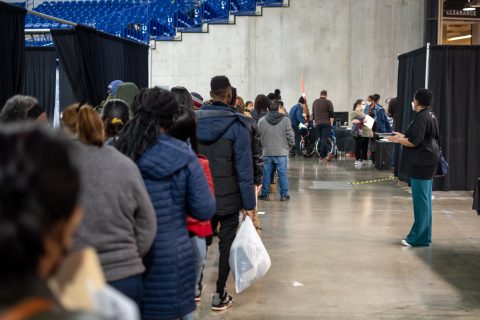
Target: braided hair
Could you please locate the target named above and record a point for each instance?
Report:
(156, 109)
(39, 186)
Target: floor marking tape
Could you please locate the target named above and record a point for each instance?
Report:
(374, 181)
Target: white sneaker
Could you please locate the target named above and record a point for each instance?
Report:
(358, 163)
(368, 162)
(405, 243)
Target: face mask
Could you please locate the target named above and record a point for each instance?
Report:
(413, 106)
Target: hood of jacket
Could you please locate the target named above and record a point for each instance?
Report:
(213, 121)
(274, 117)
(166, 157)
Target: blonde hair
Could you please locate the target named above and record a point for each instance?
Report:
(83, 121)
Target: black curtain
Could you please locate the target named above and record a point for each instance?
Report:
(454, 77)
(92, 59)
(12, 54)
(411, 76)
(40, 73)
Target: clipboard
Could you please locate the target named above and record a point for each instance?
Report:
(369, 122)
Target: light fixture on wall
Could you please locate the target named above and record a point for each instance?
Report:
(468, 6)
(468, 36)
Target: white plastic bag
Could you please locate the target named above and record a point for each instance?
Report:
(249, 260)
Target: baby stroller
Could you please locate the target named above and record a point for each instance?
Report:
(307, 142)
(331, 144)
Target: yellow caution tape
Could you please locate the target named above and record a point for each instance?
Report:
(392, 178)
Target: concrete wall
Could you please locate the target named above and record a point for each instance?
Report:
(348, 47)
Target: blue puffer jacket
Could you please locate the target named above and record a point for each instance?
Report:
(177, 185)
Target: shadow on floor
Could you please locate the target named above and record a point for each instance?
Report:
(459, 267)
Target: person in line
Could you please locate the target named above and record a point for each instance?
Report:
(240, 105)
(226, 142)
(248, 109)
(260, 108)
(176, 184)
(419, 161)
(277, 138)
(39, 214)
(115, 115)
(185, 129)
(197, 100)
(21, 108)
(119, 218)
(360, 132)
(256, 153)
(382, 125)
(296, 117)
(392, 104)
(183, 98)
(323, 116)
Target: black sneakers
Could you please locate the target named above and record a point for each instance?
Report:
(285, 198)
(264, 197)
(221, 303)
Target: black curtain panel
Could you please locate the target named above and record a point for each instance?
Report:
(40, 72)
(411, 76)
(454, 77)
(92, 59)
(12, 54)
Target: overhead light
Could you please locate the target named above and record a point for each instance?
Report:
(460, 38)
(468, 7)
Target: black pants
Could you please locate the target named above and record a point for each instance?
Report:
(226, 235)
(323, 132)
(361, 148)
(298, 137)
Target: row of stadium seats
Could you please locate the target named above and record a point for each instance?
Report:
(142, 20)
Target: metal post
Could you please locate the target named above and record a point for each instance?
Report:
(427, 65)
(46, 16)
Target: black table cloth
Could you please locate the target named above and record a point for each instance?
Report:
(383, 154)
(345, 140)
(476, 197)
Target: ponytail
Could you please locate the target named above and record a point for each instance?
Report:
(89, 127)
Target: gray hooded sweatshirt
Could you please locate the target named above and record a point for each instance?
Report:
(276, 134)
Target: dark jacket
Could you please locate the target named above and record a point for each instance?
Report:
(382, 124)
(258, 115)
(177, 185)
(256, 149)
(322, 111)
(296, 115)
(225, 140)
(421, 161)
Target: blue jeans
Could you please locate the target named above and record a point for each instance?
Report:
(200, 253)
(269, 164)
(421, 233)
(132, 287)
(323, 132)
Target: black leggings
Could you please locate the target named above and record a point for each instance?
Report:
(361, 148)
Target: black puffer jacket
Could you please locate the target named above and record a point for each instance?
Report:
(257, 149)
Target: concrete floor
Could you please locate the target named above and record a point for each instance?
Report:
(341, 242)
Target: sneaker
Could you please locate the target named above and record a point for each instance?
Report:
(329, 156)
(221, 303)
(264, 197)
(284, 198)
(405, 243)
(358, 163)
(198, 293)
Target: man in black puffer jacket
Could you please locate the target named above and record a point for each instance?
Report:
(226, 142)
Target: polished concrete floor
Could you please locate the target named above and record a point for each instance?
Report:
(336, 253)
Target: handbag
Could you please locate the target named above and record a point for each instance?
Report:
(442, 166)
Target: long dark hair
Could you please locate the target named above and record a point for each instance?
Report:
(261, 104)
(157, 109)
(115, 116)
(359, 101)
(183, 97)
(39, 187)
(185, 127)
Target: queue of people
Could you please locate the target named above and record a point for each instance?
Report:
(145, 183)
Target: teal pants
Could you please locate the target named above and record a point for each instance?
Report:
(421, 233)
